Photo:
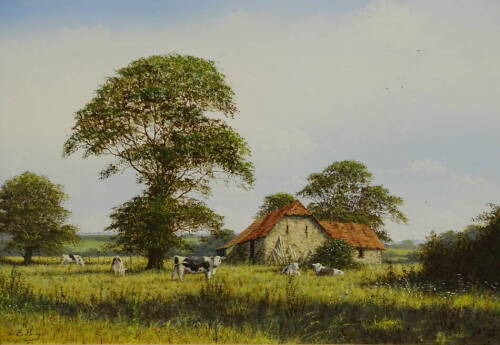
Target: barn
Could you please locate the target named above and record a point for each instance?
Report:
(292, 233)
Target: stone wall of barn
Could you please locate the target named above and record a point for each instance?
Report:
(242, 253)
(295, 237)
(298, 236)
(370, 256)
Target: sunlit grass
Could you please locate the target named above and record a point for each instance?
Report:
(49, 302)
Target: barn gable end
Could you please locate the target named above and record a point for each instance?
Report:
(293, 238)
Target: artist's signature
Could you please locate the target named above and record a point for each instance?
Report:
(27, 333)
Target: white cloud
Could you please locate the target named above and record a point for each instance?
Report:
(426, 168)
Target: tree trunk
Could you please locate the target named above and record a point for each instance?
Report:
(28, 255)
(155, 260)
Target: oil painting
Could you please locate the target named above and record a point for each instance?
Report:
(249, 172)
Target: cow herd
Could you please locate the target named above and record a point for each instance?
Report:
(319, 269)
(117, 265)
(200, 264)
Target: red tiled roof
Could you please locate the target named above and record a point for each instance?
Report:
(261, 227)
(358, 235)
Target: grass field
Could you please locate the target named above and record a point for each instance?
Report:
(52, 303)
(88, 243)
(398, 255)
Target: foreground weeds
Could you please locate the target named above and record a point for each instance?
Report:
(49, 302)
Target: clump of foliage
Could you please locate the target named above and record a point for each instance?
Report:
(32, 215)
(471, 254)
(144, 225)
(335, 253)
(343, 192)
(156, 116)
(274, 202)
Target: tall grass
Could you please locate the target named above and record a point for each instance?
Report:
(48, 303)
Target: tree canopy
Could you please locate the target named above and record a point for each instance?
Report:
(31, 213)
(165, 118)
(152, 117)
(343, 192)
(273, 202)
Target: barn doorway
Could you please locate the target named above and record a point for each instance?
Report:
(252, 250)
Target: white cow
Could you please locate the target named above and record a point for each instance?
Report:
(325, 271)
(292, 269)
(117, 266)
(70, 258)
(196, 264)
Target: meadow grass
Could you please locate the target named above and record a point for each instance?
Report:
(53, 303)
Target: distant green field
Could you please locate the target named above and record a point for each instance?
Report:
(96, 243)
(396, 255)
(90, 243)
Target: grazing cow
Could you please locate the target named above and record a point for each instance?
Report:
(325, 271)
(69, 258)
(292, 269)
(195, 264)
(117, 266)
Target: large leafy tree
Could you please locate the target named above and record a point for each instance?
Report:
(165, 117)
(31, 213)
(343, 192)
(273, 202)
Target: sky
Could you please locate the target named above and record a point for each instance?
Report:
(410, 88)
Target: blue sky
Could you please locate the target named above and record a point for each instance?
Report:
(409, 88)
(120, 14)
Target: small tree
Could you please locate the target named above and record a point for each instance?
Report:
(343, 192)
(144, 225)
(32, 215)
(335, 253)
(273, 202)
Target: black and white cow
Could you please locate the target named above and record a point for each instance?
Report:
(195, 264)
(326, 271)
(70, 258)
(292, 269)
(117, 266)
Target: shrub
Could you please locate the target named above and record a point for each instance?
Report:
(335, 253)
(471, 254)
